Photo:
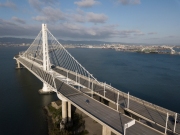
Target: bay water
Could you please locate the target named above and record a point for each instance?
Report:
(152, 77)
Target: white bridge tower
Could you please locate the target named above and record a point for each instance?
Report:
(46, 61)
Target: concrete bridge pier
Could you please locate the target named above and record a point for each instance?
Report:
(106, 130)
(45, 89)
(69, 112)
(18, 64)
(64, 111)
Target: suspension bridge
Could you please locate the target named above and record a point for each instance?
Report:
(118, 112)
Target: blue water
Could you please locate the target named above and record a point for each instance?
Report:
(21, 106)
(152, 77)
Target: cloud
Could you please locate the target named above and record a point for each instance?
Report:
(39, 4)
(9, 28)
(83, 17)
(166, 37)
(54, 15)
(67, 30)
(16, 19)
(131, 33)
(136, 2)
(86, 3)
(171, 36)
(96, 18)
(47, 10)
(49, 14)
(153, 38)
(138, 33)
(8, 4)
(78, 31)
(152, 33)
(49, 1)
(129, 2)
(36, 4)
(79, 18)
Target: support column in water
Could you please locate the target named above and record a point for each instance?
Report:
(105, 130)
(18, 64)
(69, 112)
(64, 111)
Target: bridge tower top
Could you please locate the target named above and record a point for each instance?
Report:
(46, 62)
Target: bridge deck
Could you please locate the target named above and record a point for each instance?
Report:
(105, 114)
(149, 112)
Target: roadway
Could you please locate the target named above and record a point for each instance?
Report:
(103, 113)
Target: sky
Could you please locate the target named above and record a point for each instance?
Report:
(129, 21)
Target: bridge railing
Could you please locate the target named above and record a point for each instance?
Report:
(79, 75)
(117, 91)
(125, 95)
(146, 103)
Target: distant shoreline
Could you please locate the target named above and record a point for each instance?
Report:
(153, 50)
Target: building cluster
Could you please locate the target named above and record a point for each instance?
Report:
(13, 44)
(160, 49)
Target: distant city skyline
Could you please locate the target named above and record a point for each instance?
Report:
(129, 21)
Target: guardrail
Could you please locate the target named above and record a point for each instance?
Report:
(141, 101)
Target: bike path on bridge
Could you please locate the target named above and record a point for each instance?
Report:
(110, 117)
